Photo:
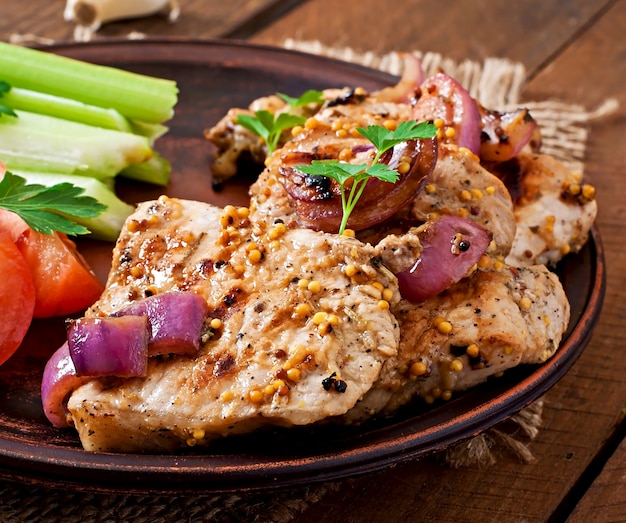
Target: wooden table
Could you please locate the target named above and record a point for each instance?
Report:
(573, 51)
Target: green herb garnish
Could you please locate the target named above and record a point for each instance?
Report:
(271, 126)
(5, 88)
(48, 209)
(383, 140)
(308, 97)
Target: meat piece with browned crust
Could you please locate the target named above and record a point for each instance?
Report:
(296, 310)
(485, 324)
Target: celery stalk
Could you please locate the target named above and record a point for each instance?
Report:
(35, 142)
(106, 226)
(43, 103)
(156, 170)
(136, 96)
(152, 131)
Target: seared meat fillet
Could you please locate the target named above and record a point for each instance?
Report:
(460, 185)
(554, 210)
(296, 308)
(306, 326)
(305, 333)
(234, 141)
(487, 323)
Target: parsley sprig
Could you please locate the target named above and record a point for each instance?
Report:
(271, 126)
(5, 88)
(383, 139)
(48, 209)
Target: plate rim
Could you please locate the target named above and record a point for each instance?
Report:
(68, 465)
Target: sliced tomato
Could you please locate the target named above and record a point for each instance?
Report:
(64, 282)
(13, 224)
(17, 296)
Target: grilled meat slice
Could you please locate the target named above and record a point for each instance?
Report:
(554, 210)
(485, 324)
(459, 185)
(354, 106)
(234, 142)
(301, 334)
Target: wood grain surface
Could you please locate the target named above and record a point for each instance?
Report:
(199, 19)
(573, 51)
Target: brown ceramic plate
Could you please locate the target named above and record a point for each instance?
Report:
(214, 76)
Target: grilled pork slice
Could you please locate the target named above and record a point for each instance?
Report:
(341, 106)
(300, 332)
(554, 210)
(234, 142)
(270, 199)
(493, 321)
(459, 185)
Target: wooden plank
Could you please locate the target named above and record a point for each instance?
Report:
(603, 366)
(510, 490)
(199, 19)
(530, 31)
(606, 499)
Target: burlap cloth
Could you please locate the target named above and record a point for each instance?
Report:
(496, 83)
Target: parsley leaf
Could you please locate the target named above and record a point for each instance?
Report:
(5, 88)
(48, 209)
(342, 172)
(261, 123)
(383, 140)
(271, 126)
(308, 97)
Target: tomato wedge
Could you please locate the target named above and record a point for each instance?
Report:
(64, 283)
(17, 297)
(12, 223)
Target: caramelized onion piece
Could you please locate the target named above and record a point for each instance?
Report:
(317, 199)
(442, 97)
(58, 381)
(109, 346)
(451, 245)
(119, 345)
(408, 85)
(504, 135)
(175, 320)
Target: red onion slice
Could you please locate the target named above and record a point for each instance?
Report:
(504, 135)
(450, 247)
(58, 381)
(109, 346)
(442, 97)
(408, 85)
(175, 321)
(317, 199)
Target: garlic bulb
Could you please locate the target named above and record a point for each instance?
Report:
(89, 15)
